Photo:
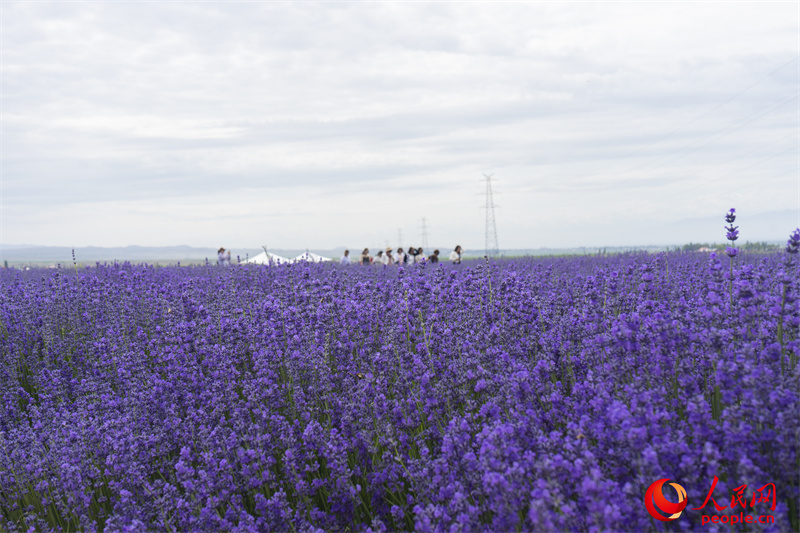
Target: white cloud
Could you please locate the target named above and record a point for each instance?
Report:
(143, 117)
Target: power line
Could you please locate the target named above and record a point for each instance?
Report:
(757, 148)
(773, 156)
(705, 113)
(720, 133)
(729, 174)
(726, 175)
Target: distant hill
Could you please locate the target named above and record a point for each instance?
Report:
(50, 255)
(90, 254)
(26, 254)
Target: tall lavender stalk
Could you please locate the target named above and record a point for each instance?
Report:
(732, 235)
(792, 248)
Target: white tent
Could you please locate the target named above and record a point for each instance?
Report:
(311, 257)
(267, 258)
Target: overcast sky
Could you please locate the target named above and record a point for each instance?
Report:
(337, 124)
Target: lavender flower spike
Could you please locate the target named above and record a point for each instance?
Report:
(793, 244)
(732, 233)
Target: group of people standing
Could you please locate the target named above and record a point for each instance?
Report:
(400, 257)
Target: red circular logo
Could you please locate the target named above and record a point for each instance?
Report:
(655, 501)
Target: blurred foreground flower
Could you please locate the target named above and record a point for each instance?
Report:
(793, 244)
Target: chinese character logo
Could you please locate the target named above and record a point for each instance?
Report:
(766, 493)
(656, 503)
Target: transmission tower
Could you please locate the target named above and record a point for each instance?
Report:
(425, 235)
(492, 248)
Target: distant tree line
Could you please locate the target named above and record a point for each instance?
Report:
(747, 246)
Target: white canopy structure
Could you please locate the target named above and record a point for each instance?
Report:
(311, 257)
(268, 258)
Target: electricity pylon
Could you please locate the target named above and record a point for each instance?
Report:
(492, 248)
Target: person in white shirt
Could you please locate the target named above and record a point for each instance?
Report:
(221, 257)
(400, 257)
(227, 258)
(387, 257)
(455, 256)
(345, 260)
(410, 255)
(420, 257)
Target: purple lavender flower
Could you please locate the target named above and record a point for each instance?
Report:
(514, 396)
(793, 244)
(732, 233)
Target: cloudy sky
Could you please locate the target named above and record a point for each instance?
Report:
(338, 124)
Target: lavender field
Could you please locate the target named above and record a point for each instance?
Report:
(533, 394)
